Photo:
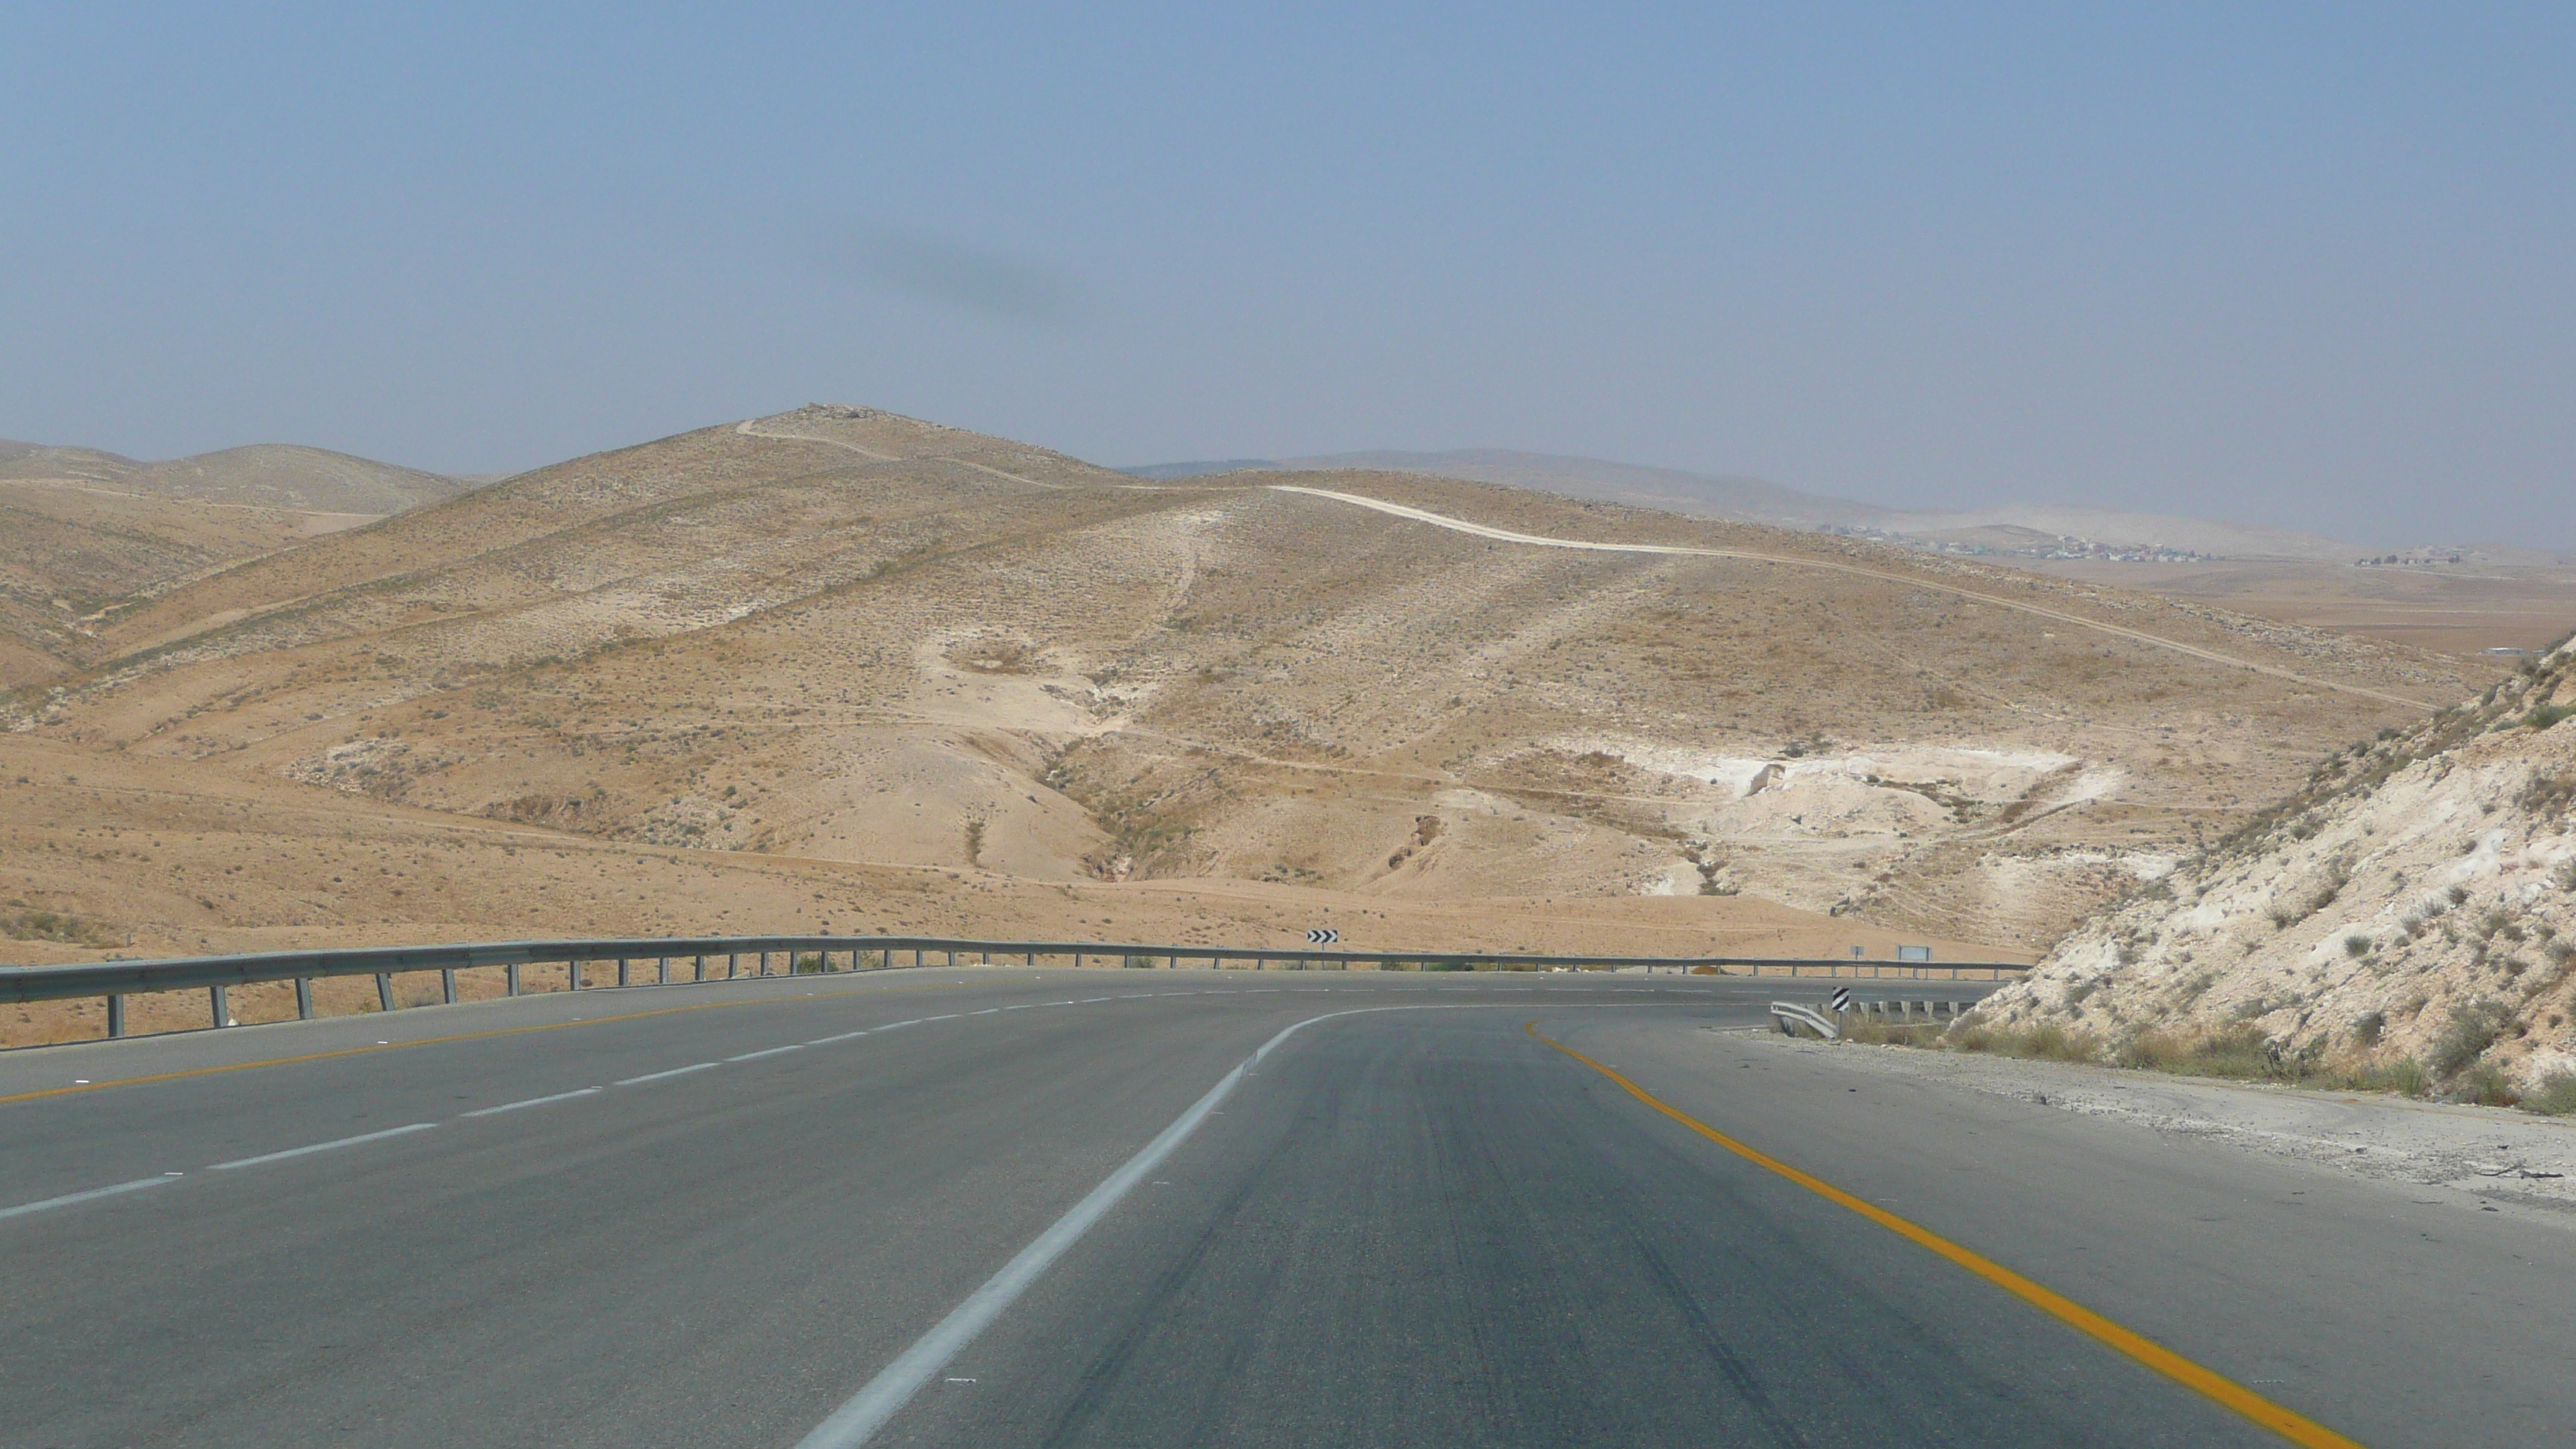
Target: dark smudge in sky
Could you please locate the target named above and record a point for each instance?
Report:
(955, 274)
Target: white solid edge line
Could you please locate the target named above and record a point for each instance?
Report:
(768, 1052)
(828, 1040)
(867, 1411)
(673, 1072)
(531, 1102)
(320, 1147)
(67, 1199)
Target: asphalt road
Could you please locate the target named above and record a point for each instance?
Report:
(714, 1216)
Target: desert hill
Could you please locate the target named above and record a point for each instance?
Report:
(2006, 529)
(842, 643)
(262, 475)
(2410, 910)
(91, 534)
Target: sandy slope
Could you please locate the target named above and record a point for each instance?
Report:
(867, 643)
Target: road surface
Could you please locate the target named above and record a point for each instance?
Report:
(722, 1215)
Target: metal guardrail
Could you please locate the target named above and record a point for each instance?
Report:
(1789, 1016)
(115, 980)
(1831, 1021)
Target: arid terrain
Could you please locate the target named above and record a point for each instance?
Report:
(90, 534)
(2460, 599)
(2462, 608)
(2408, 915)
(838, 667)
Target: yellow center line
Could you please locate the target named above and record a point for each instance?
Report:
(2224, 1391)
(460, 1036)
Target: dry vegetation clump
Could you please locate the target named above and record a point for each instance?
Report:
(22, 922)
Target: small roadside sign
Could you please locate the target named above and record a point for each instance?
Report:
(1323, 936)
(1842, 998)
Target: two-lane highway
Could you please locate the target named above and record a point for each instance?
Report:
(725, 1215)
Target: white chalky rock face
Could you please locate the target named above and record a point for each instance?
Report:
(2417, 900)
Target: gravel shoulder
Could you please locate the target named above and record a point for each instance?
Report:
(2482, 1158)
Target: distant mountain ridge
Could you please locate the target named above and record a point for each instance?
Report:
(1754, 500)
(263, 475)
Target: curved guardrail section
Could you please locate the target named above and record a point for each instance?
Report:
(115, 980)
(1789, 1016)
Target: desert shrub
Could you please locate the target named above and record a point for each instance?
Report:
(2237, 1052)
(2047, 1041)
(2548, 796)
(2554, 1097)
(2328, 890)
(2365, 1032)
(1448, 965)
(2356, 945)
(40, 925)
(809, 964)
(2472, 1028)
(2404, 1075)
(2486, 1084)
(2240, 1053)
(1141, 963)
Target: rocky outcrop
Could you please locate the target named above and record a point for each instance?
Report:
(2411, 912)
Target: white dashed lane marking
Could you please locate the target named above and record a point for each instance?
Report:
(268, 1157)
(673, 1072)
(531, 1102)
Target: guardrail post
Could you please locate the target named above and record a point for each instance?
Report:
(572, 976)
(447, 983)
(665, 977)
(384, 991)
(303, 998)
(116, 1016)
(514, 978)
(733, 964)
(621, 970)
(215, 1000)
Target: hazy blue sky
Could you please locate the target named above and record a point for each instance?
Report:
(2308, 265)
